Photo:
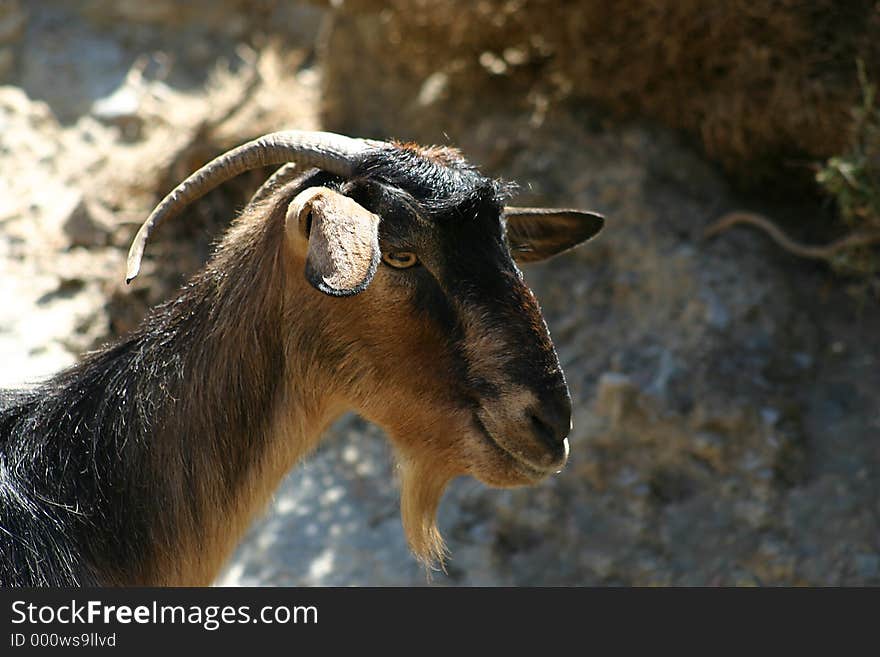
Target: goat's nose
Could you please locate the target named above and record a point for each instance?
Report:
(551, 421)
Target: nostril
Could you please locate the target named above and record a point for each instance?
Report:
(551, 420)
(552, 434)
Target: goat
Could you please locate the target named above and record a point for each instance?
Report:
(377, 277)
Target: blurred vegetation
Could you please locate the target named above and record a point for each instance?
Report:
(852, 179)
(764, 87)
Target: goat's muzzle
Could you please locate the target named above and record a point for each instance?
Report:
(551, 424)
(530, 430)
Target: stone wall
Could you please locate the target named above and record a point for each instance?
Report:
(726, 395)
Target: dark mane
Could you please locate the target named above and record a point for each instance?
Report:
(439, 178)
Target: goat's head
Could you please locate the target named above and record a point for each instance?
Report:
(439, 340)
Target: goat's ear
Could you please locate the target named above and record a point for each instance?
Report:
(539, 233)
(342, 239)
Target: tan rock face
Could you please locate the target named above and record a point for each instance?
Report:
(725, 397)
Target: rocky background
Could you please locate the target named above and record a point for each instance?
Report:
(727, 395)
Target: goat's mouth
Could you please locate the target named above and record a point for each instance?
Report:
(532, 472)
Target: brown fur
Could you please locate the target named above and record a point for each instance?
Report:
(198, 414)
(365, 354)
(442, 155)
(196, 536)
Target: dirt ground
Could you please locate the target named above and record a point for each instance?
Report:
(727, 395)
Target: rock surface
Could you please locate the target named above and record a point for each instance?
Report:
(726, 428)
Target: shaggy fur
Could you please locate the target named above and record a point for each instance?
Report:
(145, 463)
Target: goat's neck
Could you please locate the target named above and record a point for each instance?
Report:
(198, 415)
(145, 463)
(252, 400)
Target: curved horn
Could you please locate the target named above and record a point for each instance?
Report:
(328, 151)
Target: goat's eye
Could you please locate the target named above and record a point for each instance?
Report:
(399, 259)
